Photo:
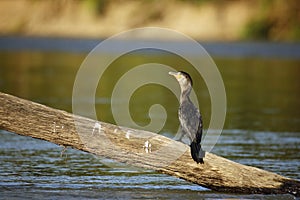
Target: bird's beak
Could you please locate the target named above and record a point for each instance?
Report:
(173, 73)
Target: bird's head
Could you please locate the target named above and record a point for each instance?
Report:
(184, 79)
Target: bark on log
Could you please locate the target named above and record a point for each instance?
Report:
(130, 146)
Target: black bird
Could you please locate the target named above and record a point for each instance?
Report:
(189, 117)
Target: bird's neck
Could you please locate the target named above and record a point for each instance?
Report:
(185, 95)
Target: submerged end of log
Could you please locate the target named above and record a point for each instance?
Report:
(128, 146)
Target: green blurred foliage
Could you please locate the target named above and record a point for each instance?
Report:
(97, 6)
(276, 20)
(258, 29)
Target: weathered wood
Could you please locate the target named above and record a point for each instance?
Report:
(128, 145)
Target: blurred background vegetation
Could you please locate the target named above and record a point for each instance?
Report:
(217, 20)
(276, 20)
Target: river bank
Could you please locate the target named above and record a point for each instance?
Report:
(202, 20)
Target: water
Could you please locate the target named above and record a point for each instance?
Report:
(261, 129)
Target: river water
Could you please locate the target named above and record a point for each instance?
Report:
(262, 124)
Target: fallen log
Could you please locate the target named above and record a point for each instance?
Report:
(133, 147)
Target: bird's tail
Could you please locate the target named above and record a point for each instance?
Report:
(197, 152)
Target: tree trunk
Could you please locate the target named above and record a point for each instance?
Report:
(138, 148)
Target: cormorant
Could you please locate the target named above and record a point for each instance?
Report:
(189, 117)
